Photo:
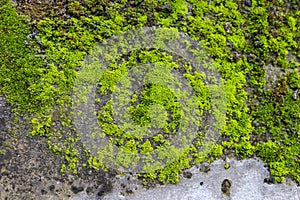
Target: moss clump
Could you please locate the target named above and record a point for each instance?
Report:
(226, 166)
(279, 117)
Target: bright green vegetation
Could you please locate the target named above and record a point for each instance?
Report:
(226, 166)
(38, 78)
(280, 119)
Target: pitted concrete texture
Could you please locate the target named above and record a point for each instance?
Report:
(246, 178)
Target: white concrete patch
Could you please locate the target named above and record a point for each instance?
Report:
(247, 178)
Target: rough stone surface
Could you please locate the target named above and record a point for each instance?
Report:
(247, 183)
(29, 170)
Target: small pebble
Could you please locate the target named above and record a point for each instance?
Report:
(101, 192)
(76, 189)
(248, 3)
(43, 192)
(89, 189)
(204, 167)
(295, 94)
(52, 187)
(187, 175)
(270, 180)
(225, 186)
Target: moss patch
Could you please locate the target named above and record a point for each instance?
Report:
(38, 71)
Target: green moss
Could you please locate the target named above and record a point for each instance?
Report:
(279, 114)
(293, 79)
(39, 75)
(2, 152)
(226, 166)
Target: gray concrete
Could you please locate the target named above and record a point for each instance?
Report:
(247, 184)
